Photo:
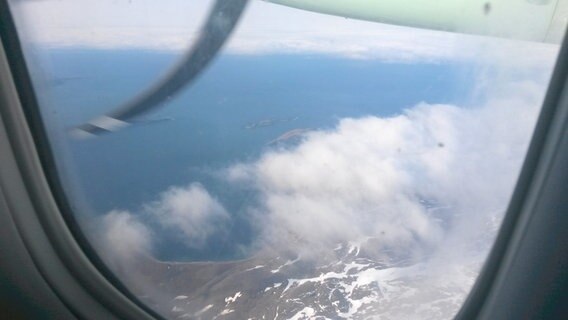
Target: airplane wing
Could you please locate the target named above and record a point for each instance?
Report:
(532, 20)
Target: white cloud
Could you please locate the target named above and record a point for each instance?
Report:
(111, 24)
(431, 184)
(190, 211)
(373, 176)
(123, 237)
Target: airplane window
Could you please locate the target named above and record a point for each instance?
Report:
(291, 159)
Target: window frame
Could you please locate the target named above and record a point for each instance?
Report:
(38, 206)
(44, 220)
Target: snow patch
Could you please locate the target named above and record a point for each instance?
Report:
(177, 309)
(304, 314)
(254, 268)
(226, 311)
(233, 298)
(321, 278)
(207, 307)
(289, 262)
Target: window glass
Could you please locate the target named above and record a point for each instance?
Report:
(334, 160)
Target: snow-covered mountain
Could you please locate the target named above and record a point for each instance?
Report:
(353, 282)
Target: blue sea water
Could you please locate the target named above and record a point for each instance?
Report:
(207, 127)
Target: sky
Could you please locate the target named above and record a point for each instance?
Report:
(264, 28)
(364, 177)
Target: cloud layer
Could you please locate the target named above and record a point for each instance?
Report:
(188, 213)
(121, 238)
(265, 28)
(191, 211)
(436, 177)
(410, 180)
